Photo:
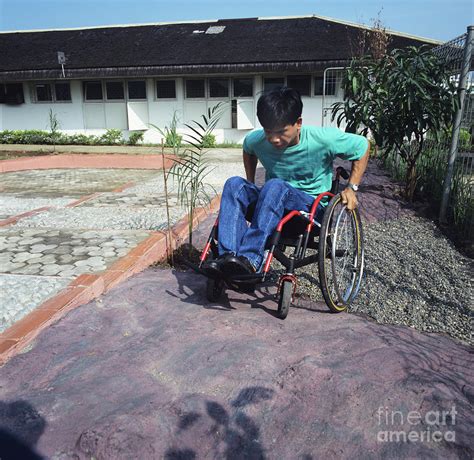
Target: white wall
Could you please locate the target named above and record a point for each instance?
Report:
(95, 117)
(32, 115)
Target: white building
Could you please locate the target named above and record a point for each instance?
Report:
(129, 77)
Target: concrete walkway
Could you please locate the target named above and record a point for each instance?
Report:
(152, 370)
(58, 226)
(68, 235)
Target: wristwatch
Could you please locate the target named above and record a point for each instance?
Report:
(354, 187)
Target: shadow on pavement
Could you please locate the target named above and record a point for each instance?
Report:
(192, 291)
(21, 427)
(236, 435)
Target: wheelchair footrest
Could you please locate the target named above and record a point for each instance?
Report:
(194, 267)
(251, 278)
(247, 279)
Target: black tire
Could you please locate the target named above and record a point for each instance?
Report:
(214, 288)
(284, 299)
(341, 239)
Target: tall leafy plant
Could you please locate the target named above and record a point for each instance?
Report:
(192, 167)
(170, 134)
(399, 98)
(54, 126)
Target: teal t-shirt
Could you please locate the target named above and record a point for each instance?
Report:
(307, 166)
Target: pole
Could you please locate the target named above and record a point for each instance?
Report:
(453, 151)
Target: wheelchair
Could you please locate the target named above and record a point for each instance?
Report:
(337, 243)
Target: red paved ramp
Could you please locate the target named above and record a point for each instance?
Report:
(154, 371)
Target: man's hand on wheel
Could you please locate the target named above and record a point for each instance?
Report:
(349, 198)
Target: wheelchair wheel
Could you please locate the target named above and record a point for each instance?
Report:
(341, 255)
(284, 300)
(214, 288)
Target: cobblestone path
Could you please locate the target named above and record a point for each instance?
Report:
(40, 254)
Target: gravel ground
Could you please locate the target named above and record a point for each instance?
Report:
(414, 277)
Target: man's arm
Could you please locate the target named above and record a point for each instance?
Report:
(358, 168)
(250, 165)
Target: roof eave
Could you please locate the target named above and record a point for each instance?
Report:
(166, 70)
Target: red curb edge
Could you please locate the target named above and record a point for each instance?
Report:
(74, 161)
(88, 287)
(123, 187)
(14, 219)
(83, 199)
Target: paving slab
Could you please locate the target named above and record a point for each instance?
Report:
(10, 205)
(19, 295)
(52, 258)
(68, 182)
(69, 234)
(152, 370)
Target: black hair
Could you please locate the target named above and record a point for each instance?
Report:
(279, 107)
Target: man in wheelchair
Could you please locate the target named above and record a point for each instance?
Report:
(298, 161)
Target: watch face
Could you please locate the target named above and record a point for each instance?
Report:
(354, 187)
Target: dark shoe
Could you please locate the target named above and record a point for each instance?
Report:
(212, 267)
(237, 265)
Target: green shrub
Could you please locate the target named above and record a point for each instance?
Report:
(32, 136)
(173, 139)
(170, 134)
(135, 137)
(208, 141)
(464, 138)
(112, 137)
(431, 170)
(82, 139)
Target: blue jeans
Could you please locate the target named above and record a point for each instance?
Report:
(275, 199)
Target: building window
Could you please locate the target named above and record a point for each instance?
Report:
(12, 93)
(114, 91)
(195, 88)
(218, 87)
(270, 84)
(166, 89)
(233, 111)
(302, 84)
(52, 92)
(137, 89)
(62, 91)
(318, 86)
(43, 92)
(330, 85)
(93, 91)
(243, 87)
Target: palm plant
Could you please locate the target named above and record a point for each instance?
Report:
(192, 167)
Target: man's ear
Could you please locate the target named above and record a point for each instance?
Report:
(299, 122)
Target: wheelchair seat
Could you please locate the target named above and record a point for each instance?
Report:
(292, 229)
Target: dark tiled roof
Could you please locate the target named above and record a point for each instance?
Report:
(243, 45)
